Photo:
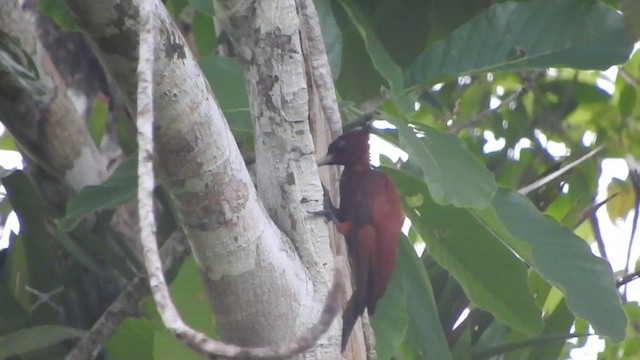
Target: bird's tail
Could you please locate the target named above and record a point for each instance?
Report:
(349, 317)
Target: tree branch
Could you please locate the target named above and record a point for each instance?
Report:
(528, 81)
(635, 182)
(245, 261)
(627, 278)
(489, 112)
(289, 84)
(554, 175)
(597, 233)
(316, 54)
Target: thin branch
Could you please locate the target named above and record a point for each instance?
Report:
(168, 312)
(635, 182)
(529, 79)
(627, 278)
(597, 233)
(489, 112)
(545, 180)
(591, 210)
(538, 340)
(630, 79)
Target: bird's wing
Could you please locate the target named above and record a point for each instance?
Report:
(387, 219)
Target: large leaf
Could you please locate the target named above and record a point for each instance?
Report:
(584, 34)
(204, 33)
(493, 278)
(563, 259)
(447, 166)
(59, 12)
(391, 319)
(134, 339)
(380, 58)
(12, 314)
(623, 201)
(98, 119)
(33, 266)
(204, 6)
(226, 80)
(167, 347)
(118, 189)
(331, 35)
(35, 338)
(559, 322)
(424, 336)
(187, 293)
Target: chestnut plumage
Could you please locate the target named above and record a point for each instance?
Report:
(370, 217)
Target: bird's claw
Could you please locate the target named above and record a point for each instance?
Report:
(329, 211)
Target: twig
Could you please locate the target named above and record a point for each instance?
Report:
(543, 181)
(597, 233)
(168, 312)
(630, 79)
(528, 81)
(45, 298)
(635, 182)
(488, 112)
(627, 278)
(591, 210)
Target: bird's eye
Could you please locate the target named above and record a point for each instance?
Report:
(341, 145)
(338, 146)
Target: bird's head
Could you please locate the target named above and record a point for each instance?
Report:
(351, 148)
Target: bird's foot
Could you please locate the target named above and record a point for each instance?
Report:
(329, 211)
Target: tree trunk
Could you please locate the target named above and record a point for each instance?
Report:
(266, 276)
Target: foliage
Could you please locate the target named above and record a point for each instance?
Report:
(503, 273)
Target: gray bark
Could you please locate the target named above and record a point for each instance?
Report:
(263, 289)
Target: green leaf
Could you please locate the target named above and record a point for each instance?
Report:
(391, 319)
(6, 141)
(35, 338)
(167, 347)
(204, 6)
(631, 11)
(331, 35)
(424, 335)
(446, 165)
(226, 80)
(98, 119)
(204, 33)
(565, 261)
(59, 12)
(539, 340)
(490, 274)
(625, 200)
(16, 271)
(461, 349)
(77, 251)
(33, 266)
(187, 292)
(118, 189)
(175, 7)
(12, 312)
(559, 322)
(134, 339)
(628, 100)
(383, 63)
(583, 34)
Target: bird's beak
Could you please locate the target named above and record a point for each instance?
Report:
(325, 160)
